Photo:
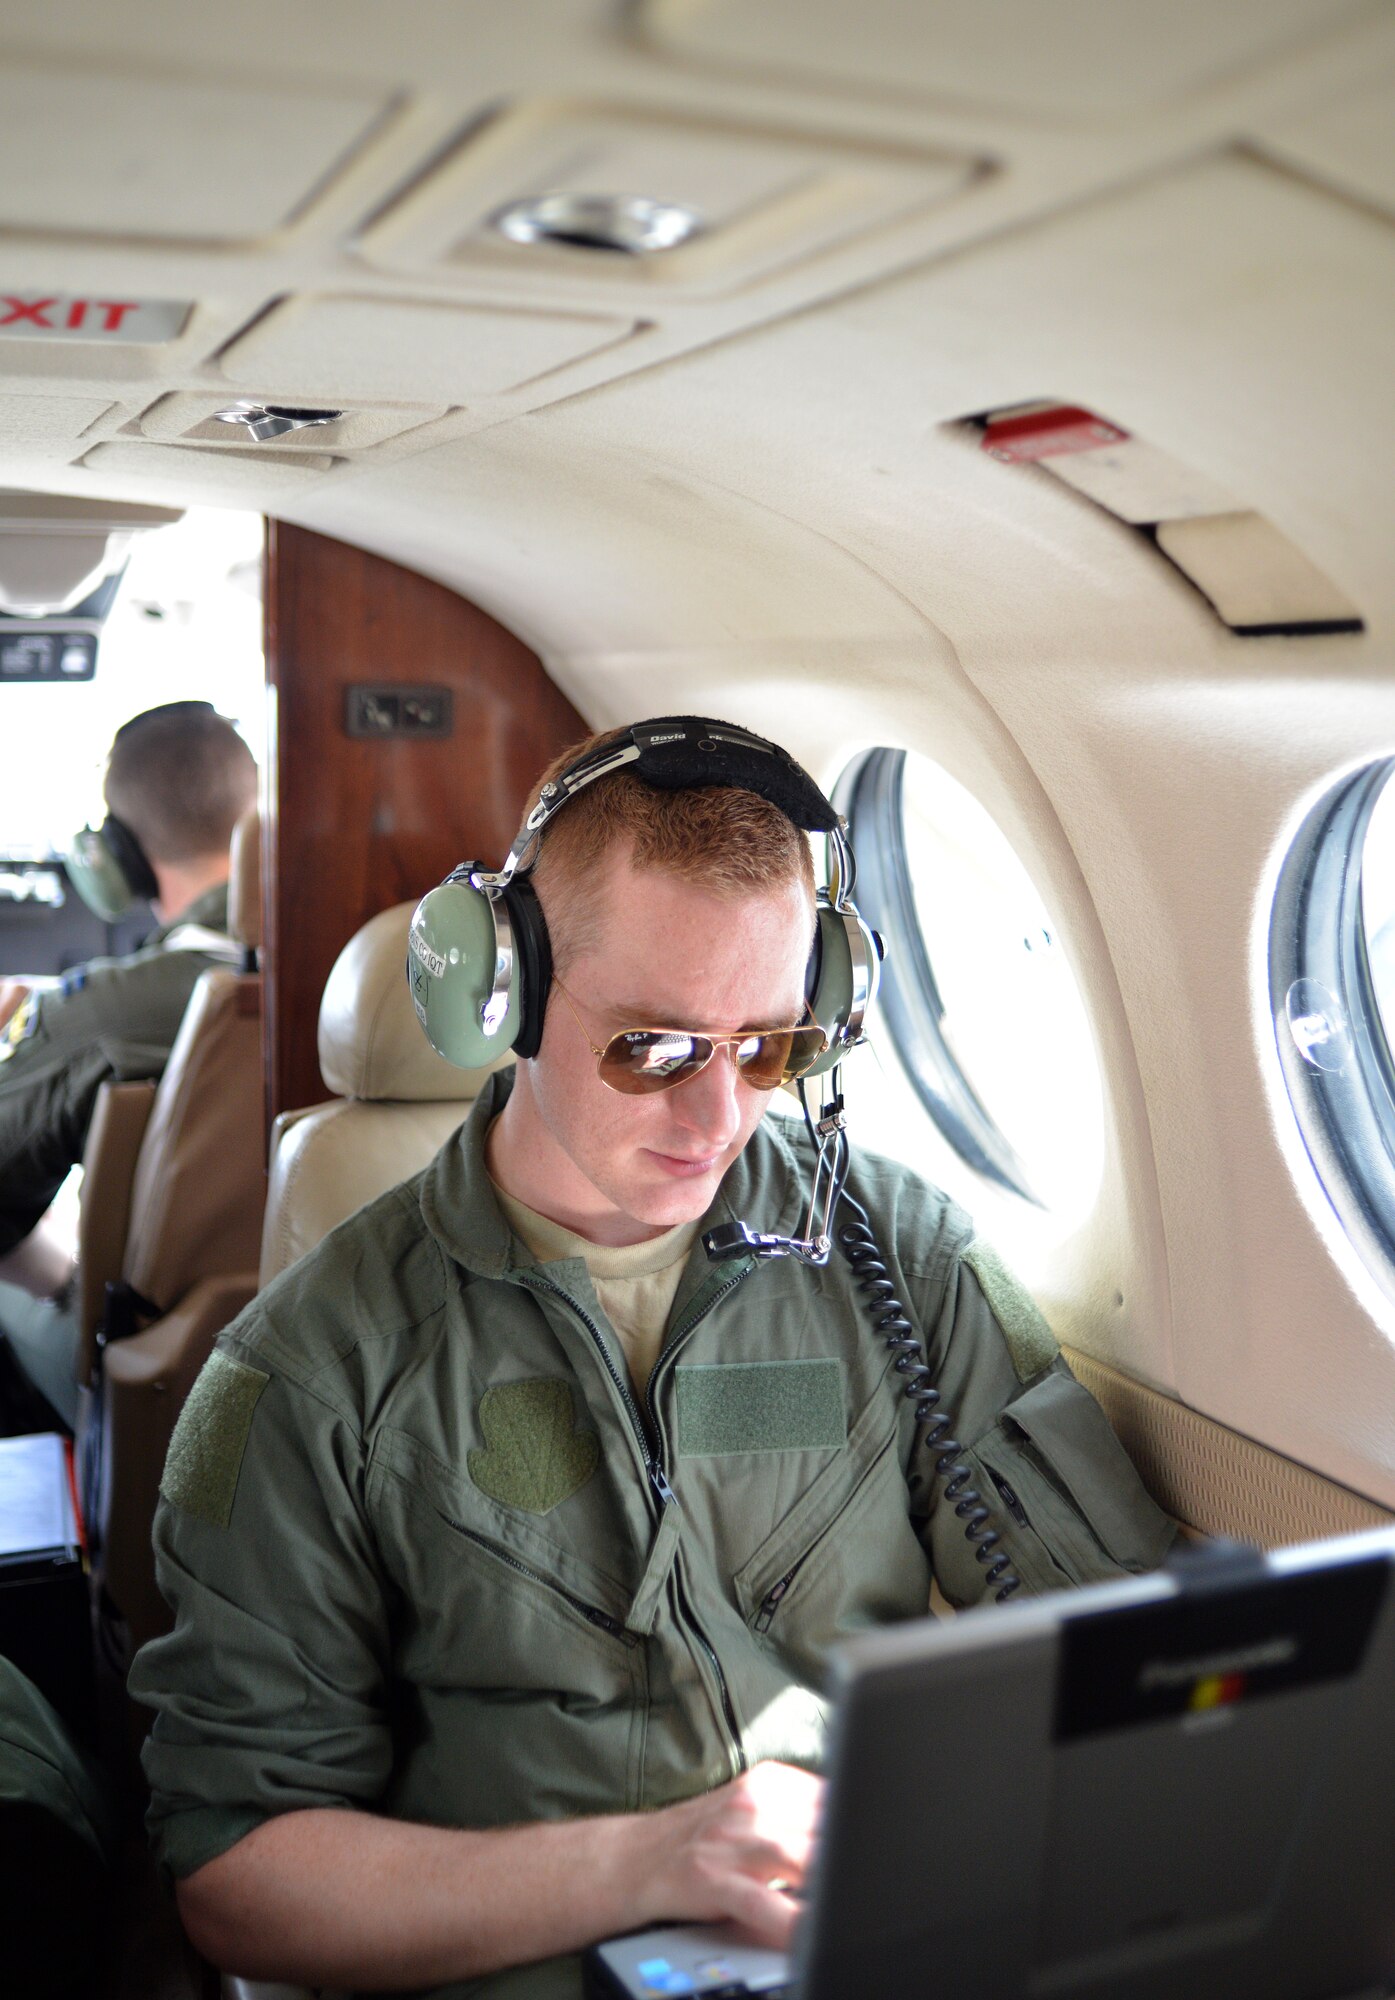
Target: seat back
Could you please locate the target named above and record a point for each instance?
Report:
(191, 1242)
(198, 1188)
(399, 1101)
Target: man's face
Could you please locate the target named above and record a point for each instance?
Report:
(666, 954)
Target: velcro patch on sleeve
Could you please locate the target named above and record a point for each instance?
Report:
(1031, 1343)
(534, 1456)
(21, 1027)
(205, 1454)
(733, 1406)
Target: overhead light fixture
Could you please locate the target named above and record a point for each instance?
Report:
(631, 224)
(263, 421)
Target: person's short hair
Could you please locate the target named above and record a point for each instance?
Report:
(726, 840)
(180, 777)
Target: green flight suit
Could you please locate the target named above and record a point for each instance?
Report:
(428, 1556)
(112, 1018)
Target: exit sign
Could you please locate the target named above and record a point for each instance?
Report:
(110, 319)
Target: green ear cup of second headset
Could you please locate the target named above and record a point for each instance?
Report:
(108, 868)
(478, 960)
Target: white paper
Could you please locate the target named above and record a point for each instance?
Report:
(36, 1508)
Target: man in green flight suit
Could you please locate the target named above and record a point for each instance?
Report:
(507, 1533)
(178, 779)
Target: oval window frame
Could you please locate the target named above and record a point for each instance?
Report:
(1345, 1112)
(870, 793)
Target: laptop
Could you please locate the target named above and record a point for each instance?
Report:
(1172, 1787)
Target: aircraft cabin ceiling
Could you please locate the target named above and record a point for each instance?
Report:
(739, 471)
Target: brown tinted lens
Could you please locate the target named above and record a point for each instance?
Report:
(806, 1046)
(641, 1061)
(768, 1060)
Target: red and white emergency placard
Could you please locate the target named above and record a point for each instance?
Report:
(109, 319)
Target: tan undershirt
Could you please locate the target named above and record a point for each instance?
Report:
(635, 1284)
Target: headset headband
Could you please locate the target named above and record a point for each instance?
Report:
(676, 753)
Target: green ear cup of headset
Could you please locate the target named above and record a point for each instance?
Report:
(849, 972)
(453, 959)
(98, 876)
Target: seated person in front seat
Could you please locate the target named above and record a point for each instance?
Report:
(178, 780)
(506, 1533)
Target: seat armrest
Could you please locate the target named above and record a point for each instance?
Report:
(119, 1119)
(145, 1382)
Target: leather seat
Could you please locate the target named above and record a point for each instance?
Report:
(397, 1103)
(173, 1193)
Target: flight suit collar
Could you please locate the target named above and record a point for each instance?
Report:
(209, 911)
(765, 1186)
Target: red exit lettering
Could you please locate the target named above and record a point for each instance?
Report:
(35, 312)
(29, 309)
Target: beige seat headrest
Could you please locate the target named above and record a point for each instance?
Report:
(371, 1043)
(245, 880)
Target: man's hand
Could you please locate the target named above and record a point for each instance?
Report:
(733, 1853)
(12, 993)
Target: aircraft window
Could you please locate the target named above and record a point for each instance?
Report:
(1332, 989)
(978, 1005)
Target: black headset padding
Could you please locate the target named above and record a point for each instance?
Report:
(129, 856)
(708, 752)
(532, 962)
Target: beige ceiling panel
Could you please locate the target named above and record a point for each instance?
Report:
(48, 419)
(197, 474)
(1348, 141)
(761, 196)
(165, 156)
(1093, 56)
(336, 349)
(192, 418)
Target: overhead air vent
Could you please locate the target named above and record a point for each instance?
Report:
(260, 422)
(631, 224)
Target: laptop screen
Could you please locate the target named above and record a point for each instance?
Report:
(1181, 1784)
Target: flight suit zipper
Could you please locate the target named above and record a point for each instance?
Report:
(770, 1603)
(654, 1467)
(1010, 1499)
(680, 1339)
(590, 1612)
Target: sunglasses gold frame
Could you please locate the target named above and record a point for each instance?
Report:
(715, 1042)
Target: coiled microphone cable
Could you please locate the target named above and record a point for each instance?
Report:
(890, 1319)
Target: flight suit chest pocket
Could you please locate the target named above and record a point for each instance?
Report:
(845, 1556)
(488, 1600)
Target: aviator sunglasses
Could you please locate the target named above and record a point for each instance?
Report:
(639, 1061)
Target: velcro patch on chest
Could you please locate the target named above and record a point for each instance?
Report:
(205, 1454)
(734, 1406)
(534, 1456)
(1031, 1343)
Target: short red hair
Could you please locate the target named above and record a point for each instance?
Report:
(722, 838)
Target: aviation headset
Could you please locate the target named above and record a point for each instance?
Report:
(479, 962)
(107, 864)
